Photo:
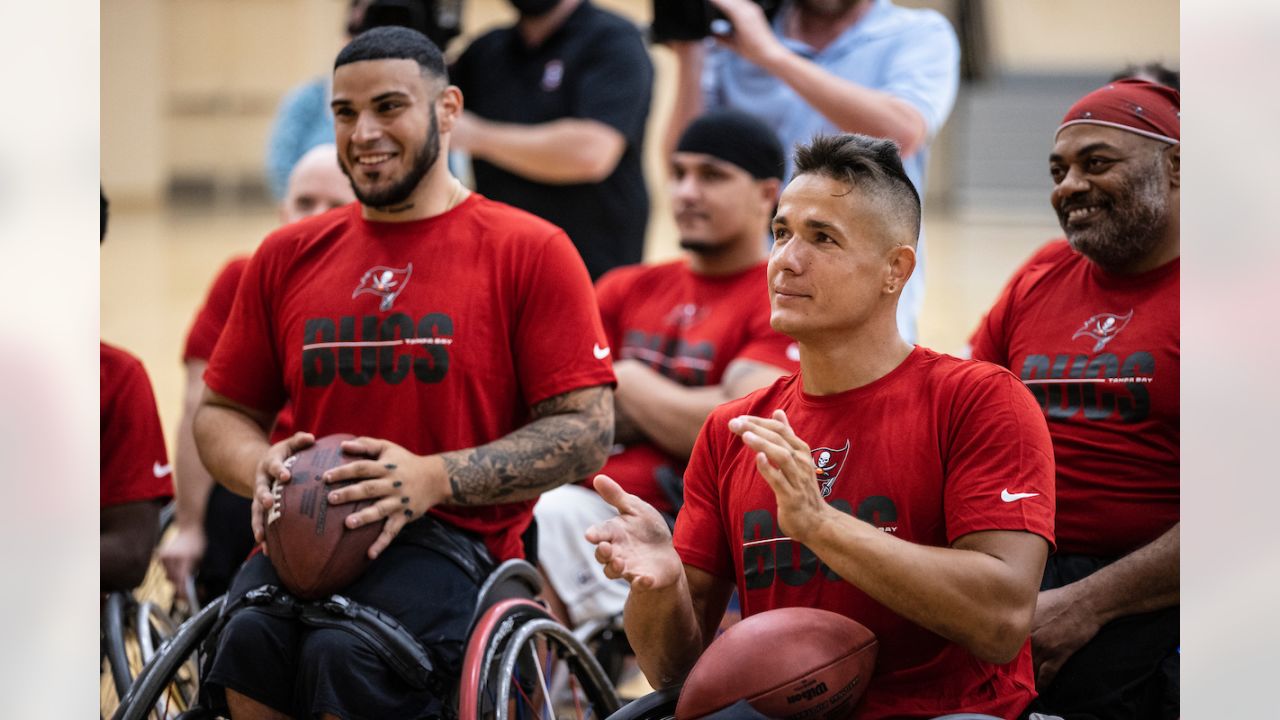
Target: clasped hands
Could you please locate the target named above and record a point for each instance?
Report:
(402, 485)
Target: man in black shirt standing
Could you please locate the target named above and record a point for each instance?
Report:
(555, 120)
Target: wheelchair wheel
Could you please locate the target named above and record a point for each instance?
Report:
(167, 686)
(520, 662)
(114, 645)
(131, 632)
(608, 642)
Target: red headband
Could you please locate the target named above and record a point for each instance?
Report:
(1138, 106)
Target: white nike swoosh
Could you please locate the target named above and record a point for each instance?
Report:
(599, 352)
(1007, 496)
(160, 470)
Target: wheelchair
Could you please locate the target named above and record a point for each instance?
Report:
(133, 626)
(132, 631)
(519, 662)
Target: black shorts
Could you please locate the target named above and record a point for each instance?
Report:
(305, 671)
(1129, 670)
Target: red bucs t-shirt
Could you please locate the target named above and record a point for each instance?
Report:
(937, 449)
(689, 328)
(134, 464)
(209, 322)
(437, 334)
(1100, 353)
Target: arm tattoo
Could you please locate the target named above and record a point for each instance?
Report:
(567, 440)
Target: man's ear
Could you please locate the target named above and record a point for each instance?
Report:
(1173, 157)
(449, 107)
(769, 189)
(902, 262)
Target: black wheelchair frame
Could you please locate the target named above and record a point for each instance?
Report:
(517, 657)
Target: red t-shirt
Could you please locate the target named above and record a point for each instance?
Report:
(929, 452)
(209, 322)
(1100, 353)
(687, 327)
(134, 464)
(207, 326)
(436, 334)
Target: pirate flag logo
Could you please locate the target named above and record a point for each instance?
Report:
(1103, 327)
(827, 463)
(384, 282)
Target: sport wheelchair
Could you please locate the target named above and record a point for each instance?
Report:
(519, 662)
(135, 624)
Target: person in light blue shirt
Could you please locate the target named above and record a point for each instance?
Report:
(302, 122)
(831, 66)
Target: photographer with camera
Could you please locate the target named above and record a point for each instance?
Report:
(821, 66)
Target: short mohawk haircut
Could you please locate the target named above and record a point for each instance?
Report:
(872, 165)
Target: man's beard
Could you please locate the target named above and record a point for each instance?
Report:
(1134, 219)
(401, 191)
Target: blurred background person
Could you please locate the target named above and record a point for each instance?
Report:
(686, 335)
(827, 66)
(213, 535)
(555, 123)
(135, 476)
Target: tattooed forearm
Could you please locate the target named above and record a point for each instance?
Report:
(568, 439)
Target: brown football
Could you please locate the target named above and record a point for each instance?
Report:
(790, 663)
(308, 542)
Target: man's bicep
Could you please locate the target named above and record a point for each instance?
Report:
(710, 595)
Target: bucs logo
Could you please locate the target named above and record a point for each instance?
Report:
(685, 314)
(827, 464)
(384, 282)
(1103, 327)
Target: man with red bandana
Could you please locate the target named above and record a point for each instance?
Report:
(1090, 324)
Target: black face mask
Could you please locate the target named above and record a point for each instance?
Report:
(534, 8)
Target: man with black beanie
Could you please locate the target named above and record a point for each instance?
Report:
(686, 335)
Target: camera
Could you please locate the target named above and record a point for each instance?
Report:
(695, 19)
(439, 20)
